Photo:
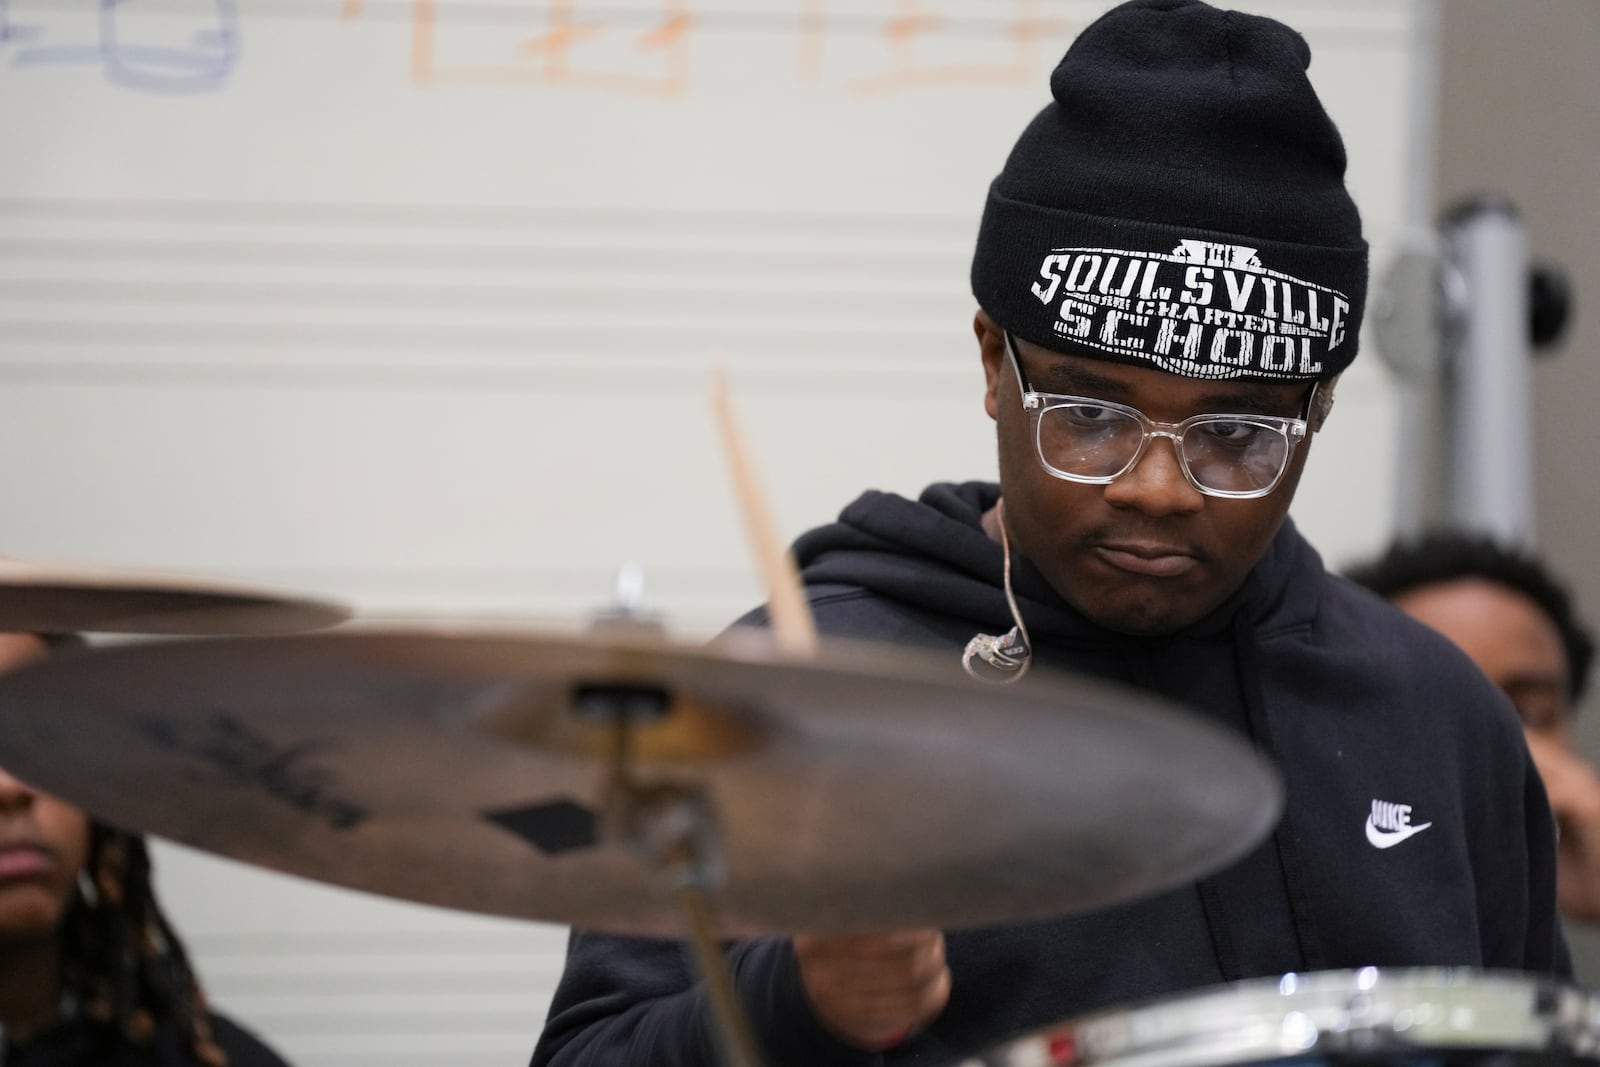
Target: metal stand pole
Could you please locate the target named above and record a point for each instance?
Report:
(672, 826)
(1489, 478)
(1455, 325)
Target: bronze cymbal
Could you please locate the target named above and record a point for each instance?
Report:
(38, 597)
(869, 788)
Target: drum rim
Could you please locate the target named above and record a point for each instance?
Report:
(1321, 1013)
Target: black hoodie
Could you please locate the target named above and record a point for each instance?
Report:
(1354, 702)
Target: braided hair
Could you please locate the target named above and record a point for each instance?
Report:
(123, 964)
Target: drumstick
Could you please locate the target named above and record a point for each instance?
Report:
(786, 599)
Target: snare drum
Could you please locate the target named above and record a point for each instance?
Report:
(1412, 1017)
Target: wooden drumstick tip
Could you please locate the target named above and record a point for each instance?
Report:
(792, 625)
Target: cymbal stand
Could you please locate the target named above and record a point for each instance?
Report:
(673, 826)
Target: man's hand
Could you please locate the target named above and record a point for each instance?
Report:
(1574, 791)
(871, 991)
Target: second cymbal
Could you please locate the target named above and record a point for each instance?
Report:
(38, 597)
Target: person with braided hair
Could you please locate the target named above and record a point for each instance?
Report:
(92, 974)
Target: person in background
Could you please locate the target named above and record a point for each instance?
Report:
(91, 972)
(1516, 621)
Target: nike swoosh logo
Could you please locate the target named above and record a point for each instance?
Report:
(1391, 838)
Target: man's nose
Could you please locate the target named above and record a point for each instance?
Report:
(1156, 485)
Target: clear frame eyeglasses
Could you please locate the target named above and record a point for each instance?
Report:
(1095, 442)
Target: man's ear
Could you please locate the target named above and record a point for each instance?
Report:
(992, 349)
(1322, 405)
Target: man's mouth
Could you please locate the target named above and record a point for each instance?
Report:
(1147, 560)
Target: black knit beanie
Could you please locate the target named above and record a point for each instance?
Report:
(1180, 205)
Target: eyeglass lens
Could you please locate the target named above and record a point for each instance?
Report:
(1227, 454)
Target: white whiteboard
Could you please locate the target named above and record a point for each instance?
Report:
(412, 302)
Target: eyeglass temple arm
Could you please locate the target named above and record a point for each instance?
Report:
(1016, 366)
